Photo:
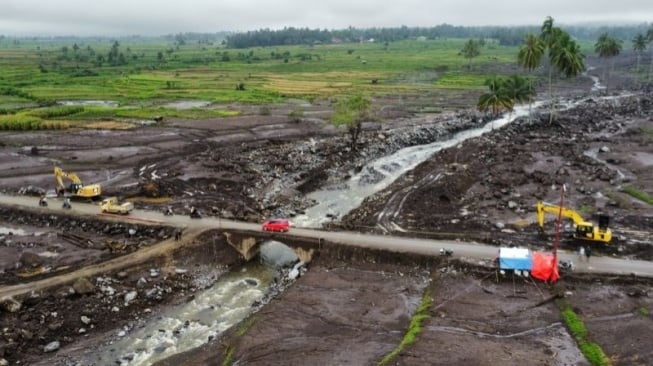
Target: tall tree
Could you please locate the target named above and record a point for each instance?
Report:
(567, 57)
(351, 112)
(608, 47)
(564, 53)
(497, 98)
(519, 89)
(471, 49)
(639, 46)
(530, 57)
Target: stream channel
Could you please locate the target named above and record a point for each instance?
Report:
(337, 202)
(212, 311)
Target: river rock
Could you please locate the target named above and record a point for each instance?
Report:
(31, 259)
(130, 296)
(83, 286)
(86, 320)
(11, 305)
(51, 347)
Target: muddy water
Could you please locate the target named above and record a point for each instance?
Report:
(7, 231)
(188, 104)
(84, 103)
(377, 175)
(211, 312)
(17, 232)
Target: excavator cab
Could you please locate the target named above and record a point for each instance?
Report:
(584, 230)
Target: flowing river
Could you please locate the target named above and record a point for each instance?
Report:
(380, 173)
(212, 311)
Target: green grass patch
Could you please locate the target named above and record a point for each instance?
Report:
(642, 196)
(245, 326)
(40, 70)
(592, 351)
(461, 81)
(414, 328)
(20, 122)
(644, 311)
(620, 199)
(55, 112)
(586, 209)
(229, 356)
(95, 113)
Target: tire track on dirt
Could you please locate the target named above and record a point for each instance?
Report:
(387, 215)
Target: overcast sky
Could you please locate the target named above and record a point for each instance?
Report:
(159, 17)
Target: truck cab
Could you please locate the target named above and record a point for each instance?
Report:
(112, 205)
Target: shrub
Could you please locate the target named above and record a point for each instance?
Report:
(296, 115)
(642, 196)
(264, 111)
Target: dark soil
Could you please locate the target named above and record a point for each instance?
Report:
(346, 308)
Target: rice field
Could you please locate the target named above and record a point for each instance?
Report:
(156, 71)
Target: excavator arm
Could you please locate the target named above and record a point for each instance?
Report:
(543, 208)
(76, 187)
(58, 174)
(584, 230)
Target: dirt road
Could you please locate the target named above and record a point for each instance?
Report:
(468, 251)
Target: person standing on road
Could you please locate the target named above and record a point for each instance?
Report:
(581, 254)
(588, 252)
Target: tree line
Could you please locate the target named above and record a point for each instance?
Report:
(565, 59)
(511, 36)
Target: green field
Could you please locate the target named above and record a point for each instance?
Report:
(151, 72)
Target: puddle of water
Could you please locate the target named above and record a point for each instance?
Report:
(84, 103)
(212, 311)
(7, 230)
(188, 104)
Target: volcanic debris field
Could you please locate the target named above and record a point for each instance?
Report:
(73, 283)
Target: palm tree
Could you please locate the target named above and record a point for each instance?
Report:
(567, 57)
(530, 56)
(519, 89)
(564, 55)
(639, 45)
(497, 98)
(607, 47)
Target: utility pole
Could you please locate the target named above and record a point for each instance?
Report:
(558, 224)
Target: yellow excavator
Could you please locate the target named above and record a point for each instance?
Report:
(76, 188)
(584, 230)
